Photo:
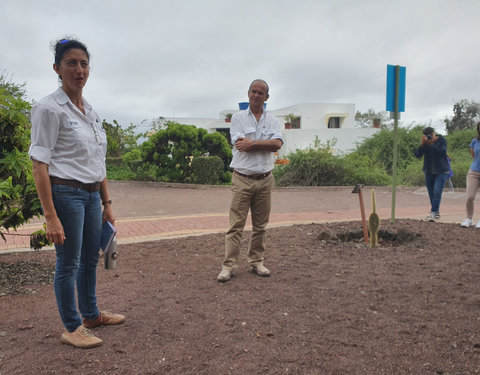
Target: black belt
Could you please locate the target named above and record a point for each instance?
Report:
(94, 186)
(259, 176)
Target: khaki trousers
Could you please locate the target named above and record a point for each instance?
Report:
(255, 195)
(473, 183)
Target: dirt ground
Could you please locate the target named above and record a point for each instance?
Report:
(331, 306)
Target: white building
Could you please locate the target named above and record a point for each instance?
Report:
(313, 122)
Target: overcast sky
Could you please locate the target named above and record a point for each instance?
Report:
(192, 58)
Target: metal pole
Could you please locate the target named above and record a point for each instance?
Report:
(395, 142)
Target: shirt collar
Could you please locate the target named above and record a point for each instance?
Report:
(251, 113)
(62, 98)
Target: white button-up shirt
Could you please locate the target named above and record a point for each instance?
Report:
(245, 125)
(73, 144)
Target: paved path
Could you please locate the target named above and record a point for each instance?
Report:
(151, 211)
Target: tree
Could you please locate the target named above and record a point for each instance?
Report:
(466, 115)
(371, 118)
(171, 150)
(120, 141)
(18, 197)
(215, 144)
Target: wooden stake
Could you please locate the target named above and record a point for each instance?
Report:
(364, 220)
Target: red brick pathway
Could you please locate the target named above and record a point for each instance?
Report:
(158, 204)
(133, 230)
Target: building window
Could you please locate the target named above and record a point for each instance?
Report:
(334, 123)
(296, 123)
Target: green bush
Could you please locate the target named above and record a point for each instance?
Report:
(167, 159)
(149, 172)
(18, 196)
(215, 144)
(379, 147)
(207, 170)
(318, 167)
(113, 160)
(412, 174)
(312, 167)
(460, 140)
(226, 177)
(119, 172)
(132, 156)
(172, 149)
(119, 140)
(363, 170)
(460, 168)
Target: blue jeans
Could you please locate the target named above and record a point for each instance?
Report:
(435, 184)
(80, 213)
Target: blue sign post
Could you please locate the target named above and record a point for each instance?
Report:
(396, 77)
(392, 86)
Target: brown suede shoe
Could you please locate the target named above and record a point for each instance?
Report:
(81, 338)
(104, 319)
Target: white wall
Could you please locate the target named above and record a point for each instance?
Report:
(314, 123)
(315, 115)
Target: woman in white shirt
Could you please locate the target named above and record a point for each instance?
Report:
(68, 151)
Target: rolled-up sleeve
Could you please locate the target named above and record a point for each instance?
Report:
(277, 131)
(236, 129)
(45, 129)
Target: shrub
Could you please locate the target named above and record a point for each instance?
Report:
(207, 170)
(363, 170)
(149, 172)
(460, 140)
(119, 140)
(412, 174)
(226, 177)
(119, 172)
(132, 156)
(460, 168)
(312, 167)
(379, 147)
(172, 149)
(18, 196)
(110, 160)
(215, 144)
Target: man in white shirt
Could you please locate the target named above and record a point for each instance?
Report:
(256, 136)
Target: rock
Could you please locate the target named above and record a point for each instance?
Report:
(23, 328)
(325, 236)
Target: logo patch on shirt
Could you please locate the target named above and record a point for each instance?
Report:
(73, 123)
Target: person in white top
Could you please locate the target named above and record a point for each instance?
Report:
(68, 148)
(256, 136)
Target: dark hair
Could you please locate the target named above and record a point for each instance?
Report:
(62, 46)
(478, 131)
(428, 131)
(258, 80)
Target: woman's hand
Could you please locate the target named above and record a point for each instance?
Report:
(108, 214)
(106, 202)
(55, 231)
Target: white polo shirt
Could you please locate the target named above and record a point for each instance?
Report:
(245, 125)
(73, 144)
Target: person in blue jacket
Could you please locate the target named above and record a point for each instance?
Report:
(433, 148)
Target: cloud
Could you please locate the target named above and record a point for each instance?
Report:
(195, 59)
